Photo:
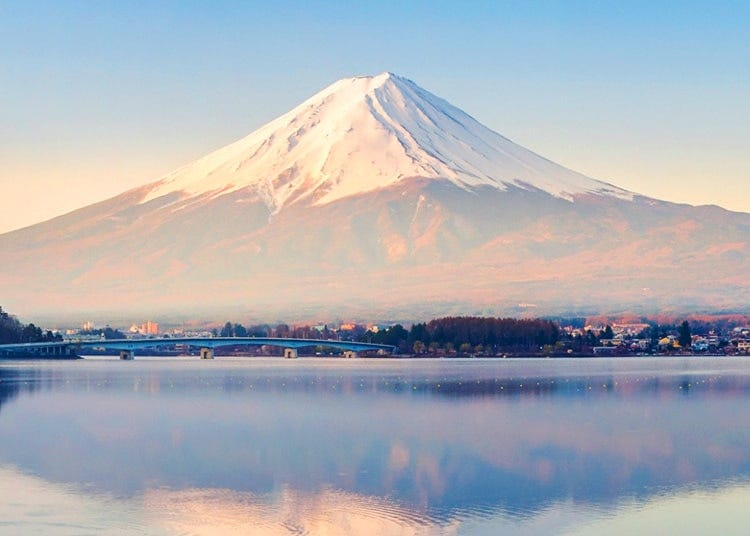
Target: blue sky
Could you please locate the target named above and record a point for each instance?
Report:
(97, 97)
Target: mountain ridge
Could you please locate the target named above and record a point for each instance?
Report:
(375, 196)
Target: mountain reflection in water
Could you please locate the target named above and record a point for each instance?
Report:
(379, 447)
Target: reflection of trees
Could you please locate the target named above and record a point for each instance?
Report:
(8, 390)
(622, 386)
(589, 386)
(12, 384)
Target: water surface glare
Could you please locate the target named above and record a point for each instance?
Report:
(331, 446)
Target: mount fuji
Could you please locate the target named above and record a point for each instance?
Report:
(375, 198)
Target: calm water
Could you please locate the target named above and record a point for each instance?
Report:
(316, 446)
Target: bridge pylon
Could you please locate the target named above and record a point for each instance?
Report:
(290, 353)
(207, 353)
(127, 355)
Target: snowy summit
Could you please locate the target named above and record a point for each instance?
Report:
(365, 133)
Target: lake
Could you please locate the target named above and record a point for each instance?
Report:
(375, 446)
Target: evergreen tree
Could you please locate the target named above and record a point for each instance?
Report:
(654, 336)
(227, 330)
(685, 337)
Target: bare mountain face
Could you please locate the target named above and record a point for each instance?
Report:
(376, 198)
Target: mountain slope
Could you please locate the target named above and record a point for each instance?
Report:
(377, 198)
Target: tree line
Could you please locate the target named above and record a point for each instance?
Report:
(12, 331)
(469, 334)
(448, 335)
(108, 333)
(281, 331)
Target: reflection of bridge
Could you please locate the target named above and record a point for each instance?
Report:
(206, 346)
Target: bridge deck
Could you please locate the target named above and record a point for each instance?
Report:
(65, 347)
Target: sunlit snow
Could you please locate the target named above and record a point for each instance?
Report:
(365, 133)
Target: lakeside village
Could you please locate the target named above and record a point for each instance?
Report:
(442, 337)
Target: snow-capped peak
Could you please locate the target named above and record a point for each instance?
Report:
(364, 133)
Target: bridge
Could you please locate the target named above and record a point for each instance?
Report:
(205, 346)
